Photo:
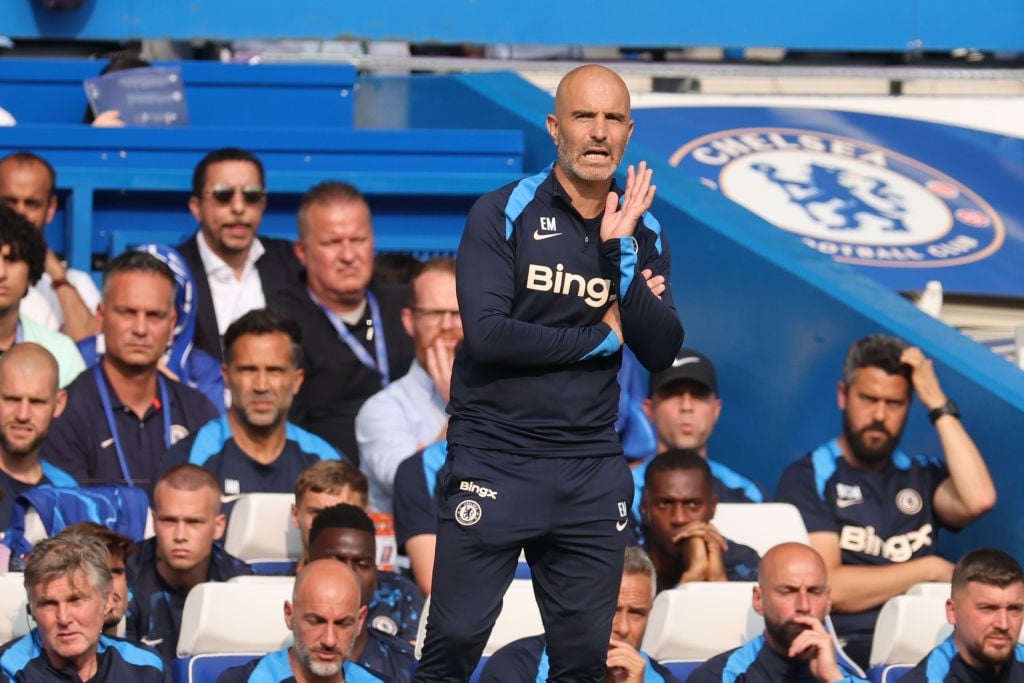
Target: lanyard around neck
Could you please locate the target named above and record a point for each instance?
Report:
(165, 410)
(379, 366)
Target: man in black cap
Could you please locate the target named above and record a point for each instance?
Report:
(683, 404)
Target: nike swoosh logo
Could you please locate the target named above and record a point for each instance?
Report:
(151, 643)
(848, 503)
(685, 361)
(619, 526)
(538, 235)
(108, 442)
(230, 499)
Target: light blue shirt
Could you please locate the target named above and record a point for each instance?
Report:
(393, 424)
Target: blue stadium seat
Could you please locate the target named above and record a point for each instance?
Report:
(207, 668)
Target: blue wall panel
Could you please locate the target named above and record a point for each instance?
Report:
(867, 25)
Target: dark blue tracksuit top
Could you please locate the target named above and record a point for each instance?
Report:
(536, 374)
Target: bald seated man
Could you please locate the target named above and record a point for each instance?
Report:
(793, 596)
(29, 401)
(324, 616)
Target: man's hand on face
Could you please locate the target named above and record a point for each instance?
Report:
(625, 664)
(440, 360)
(815, 645)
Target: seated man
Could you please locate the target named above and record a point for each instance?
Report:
(676, 512)
(409, 413)
(322, 485)
(986, 610)
(683, 405)
(793, 597)
(185, 552)
(324, 617)
(525, 660)
(119, 547)
(872, 511)
(68, 584)
(394, 604)
(253, 448)
(29, 401)
(123, 414)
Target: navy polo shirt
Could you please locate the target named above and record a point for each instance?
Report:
(81, 443)
(275, 668)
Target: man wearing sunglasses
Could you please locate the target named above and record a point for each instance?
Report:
(235, 270)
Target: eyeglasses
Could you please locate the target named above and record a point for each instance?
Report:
(251, 194)
(433, 317)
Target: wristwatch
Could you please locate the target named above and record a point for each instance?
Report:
(947, 408)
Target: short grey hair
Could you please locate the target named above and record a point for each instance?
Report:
(638, 562)
(66, 554)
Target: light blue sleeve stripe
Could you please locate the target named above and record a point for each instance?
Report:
(133, 654)
(209, 441)
(736, 481)
(273, 667)
(311, 443)
(627, 263)
(654, 225)
(522, 195)
(823, 461)
(741, 660)
(56, 475)
(433, 458)
(20, 654)
(609, 346)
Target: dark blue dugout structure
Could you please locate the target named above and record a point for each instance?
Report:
(121, 187)
(775, 316)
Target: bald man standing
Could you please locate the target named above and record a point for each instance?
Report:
(324, 616)
(29, 400)
(555, 273)
(794, 598)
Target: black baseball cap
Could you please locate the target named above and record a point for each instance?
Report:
(688, 365)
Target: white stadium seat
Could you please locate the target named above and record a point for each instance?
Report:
(235, 617)
(700, 620)
(932, 589)
(908, 627)
(14, 619)
(260, 529)
(760, 525)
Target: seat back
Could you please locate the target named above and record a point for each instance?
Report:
(14, 618)
(932, 589)
(699, 620)
(260, 531)
(908, 627)
(760, 525)
(235, 617)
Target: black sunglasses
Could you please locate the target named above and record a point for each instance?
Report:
(251, 194)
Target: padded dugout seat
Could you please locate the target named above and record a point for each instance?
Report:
(908, 627)
(760, 525)
(260, 532)
(14, 618)
(229, 623)
(699, 620)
